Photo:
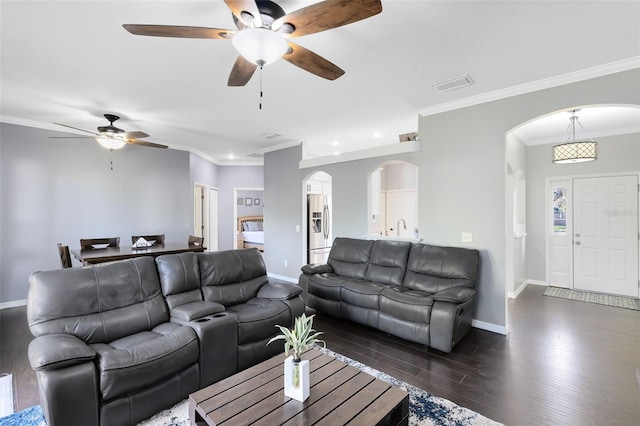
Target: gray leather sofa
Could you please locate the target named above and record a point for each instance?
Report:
(117, 342)
(418, 292)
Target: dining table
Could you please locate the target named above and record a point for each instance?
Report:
(109, 254)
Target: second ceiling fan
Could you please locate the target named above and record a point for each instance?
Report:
(264, 30)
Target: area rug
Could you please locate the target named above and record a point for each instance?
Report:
(424, 408)
(590, 297)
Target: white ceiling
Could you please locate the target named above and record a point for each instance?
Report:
(71, 61)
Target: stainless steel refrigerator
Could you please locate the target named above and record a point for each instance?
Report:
(319, 238)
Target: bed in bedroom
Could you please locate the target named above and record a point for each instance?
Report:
(250, 232)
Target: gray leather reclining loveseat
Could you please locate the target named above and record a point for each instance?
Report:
(117, 342)
(415, 291)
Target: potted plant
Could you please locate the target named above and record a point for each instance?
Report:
(296, 371)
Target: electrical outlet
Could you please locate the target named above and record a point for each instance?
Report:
(467, 237)
(286, 263)
(297, 228)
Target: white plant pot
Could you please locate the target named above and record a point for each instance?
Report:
(301, 391)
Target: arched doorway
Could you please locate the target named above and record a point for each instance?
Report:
(393, 200)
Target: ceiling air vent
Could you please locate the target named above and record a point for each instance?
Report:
(455, 83)
(256, 155)
(271, 135)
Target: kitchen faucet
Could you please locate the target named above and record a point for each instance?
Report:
(398, 226)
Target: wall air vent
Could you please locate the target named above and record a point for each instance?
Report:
(455, 83)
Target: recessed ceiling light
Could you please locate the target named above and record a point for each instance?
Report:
(377, 134)
(335, 143)
(336, 153)
(231, 156)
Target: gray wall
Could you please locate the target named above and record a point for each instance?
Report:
(62, 190)
(253, 209)
(462, 169)
(615, 154)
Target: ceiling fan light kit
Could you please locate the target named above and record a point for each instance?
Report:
(110, 142)
(260, 45)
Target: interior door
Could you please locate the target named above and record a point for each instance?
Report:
(605, 234)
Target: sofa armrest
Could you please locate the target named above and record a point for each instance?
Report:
(279, 291)
(317, 268)
(454, 295)
(194, 310)
(55, 351)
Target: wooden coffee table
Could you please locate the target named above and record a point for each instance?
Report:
(339, 394)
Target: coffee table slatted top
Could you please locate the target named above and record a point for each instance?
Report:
(339, 394)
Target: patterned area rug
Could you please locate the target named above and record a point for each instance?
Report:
(424, 408)
(599, 298)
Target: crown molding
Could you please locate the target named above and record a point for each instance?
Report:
(363, 154)
(547, 83)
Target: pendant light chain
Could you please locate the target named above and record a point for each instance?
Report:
(260, 102)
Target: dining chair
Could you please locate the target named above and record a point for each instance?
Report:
(159, 239)
(65, 257)
(196, 241)
(90, 243)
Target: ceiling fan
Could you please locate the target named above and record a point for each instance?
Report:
(112, 137)
(264, 30)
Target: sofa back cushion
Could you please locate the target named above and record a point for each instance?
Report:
(99, 303)
(350, 257)
(180, 278)
(233, 276)
(433, 268)
(388, 261)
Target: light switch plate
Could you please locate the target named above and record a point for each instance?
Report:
(467, 237)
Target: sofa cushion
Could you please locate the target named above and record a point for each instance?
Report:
(327, 286)
(233, 276)
(361, 293)
(257, 318)
(142, 359)
(406, 304)
(432, 269)
(350, 257)
(388, 261)
(180, 278)
(110, 300)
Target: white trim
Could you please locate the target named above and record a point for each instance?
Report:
(280, 146)
(520, 289)
(362, 154)
(14, 304)
(283, 278)
(537, 282)
(489, 327)
(546, 83)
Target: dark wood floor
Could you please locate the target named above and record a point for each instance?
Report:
(563, 363)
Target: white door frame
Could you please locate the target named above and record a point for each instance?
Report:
(548, 208)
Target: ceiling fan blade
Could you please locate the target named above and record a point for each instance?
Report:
(241, 72)
(134, 135)
(178, 31)
(71, 137)
(145, 143)
(249, 6)
(327, 14)
(312, 62)
(76, 128)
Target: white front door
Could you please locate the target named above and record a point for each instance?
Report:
(605, 234)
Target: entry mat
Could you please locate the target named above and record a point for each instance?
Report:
(590, 297)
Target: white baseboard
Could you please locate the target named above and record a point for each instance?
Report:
(14, 304)
(283, 278)
(515, 294)
(538, 282)
(490, 327)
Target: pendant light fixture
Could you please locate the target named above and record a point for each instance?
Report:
(572, 150)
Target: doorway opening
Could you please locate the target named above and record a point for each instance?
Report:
(393, 200)
(318, 215)
(205, 215)
(248, 218)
